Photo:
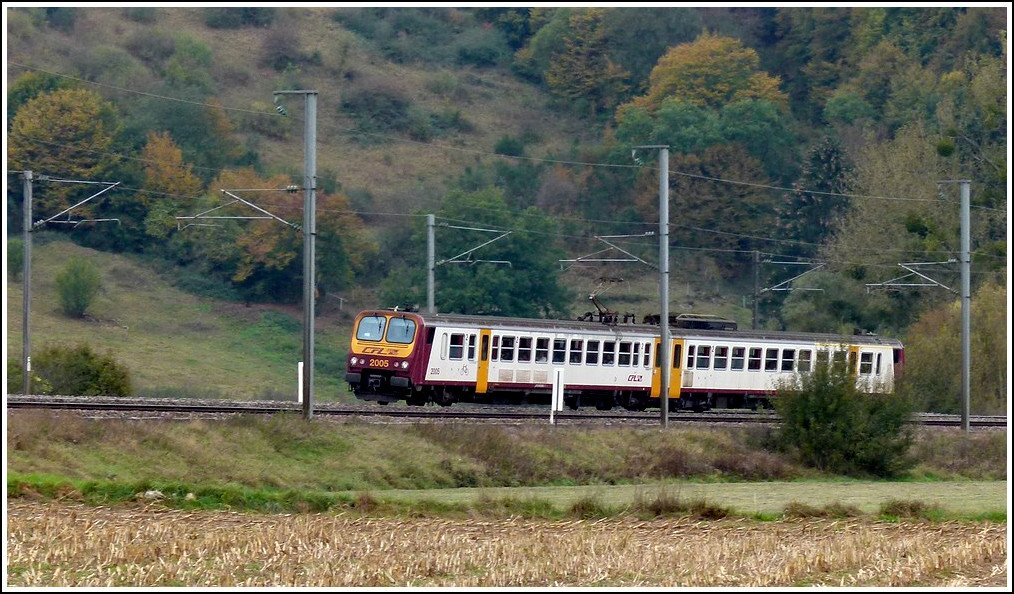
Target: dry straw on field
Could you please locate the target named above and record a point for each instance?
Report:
(53, 544)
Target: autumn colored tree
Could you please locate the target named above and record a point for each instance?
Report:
(260, 250)
(67, 133)
(170, 185)
(711, 71)
(932, 354)
(583, 71)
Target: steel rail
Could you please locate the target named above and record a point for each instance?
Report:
(459, 412)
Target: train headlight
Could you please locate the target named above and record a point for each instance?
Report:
(404, 364)
(354, 361)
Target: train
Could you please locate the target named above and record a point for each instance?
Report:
(421, 358)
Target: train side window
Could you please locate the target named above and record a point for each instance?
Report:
(804, 360)
(591, 355)
(771, 360)
(507, 348)
(559, 350)
(866, 363)
(484, 349)
(690, 356)
(609, 352)
(637, 354)
(822, 357)
(838, 360)
(494, 354)
(738, 354)
(471, 347)
(788, 359)
(647, 354)
(524, 349)
(721, 357)
(658, 354)
(703, 357)
(754, 362)
(624, 359)
(676, 356)
(877, 370)
(575, 351)
(400, 331)
(371, 328)
(457, 348)
(541, 350)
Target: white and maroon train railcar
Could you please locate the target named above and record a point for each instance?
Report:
(453, 358)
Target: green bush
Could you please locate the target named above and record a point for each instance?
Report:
(16, 380)
(77, 285)
(79, 371)
(829, 424)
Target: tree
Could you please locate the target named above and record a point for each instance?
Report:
(27, 87)
(169, 183)
(66, 133)
(827, 302)
(640, 35)
(831, 425)
(904, 215)
(77, 286)
(583, 70)
(812, 53)
(719, 218)
(711, 71)
(818, 197)
(932, 354)
(512, 276)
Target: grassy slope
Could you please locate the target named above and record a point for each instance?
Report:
(282, 458)
(174, 343)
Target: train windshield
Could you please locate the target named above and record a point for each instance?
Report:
(401, 330)
(371, 328)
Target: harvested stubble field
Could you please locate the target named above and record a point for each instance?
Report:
(63, 544)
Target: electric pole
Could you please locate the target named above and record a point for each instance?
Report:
(309, 235)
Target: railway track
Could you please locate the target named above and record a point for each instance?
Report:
(188, 408)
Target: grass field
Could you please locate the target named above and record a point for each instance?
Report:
(152, 547)
(277, 501)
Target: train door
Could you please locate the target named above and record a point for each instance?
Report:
(675, 375)
(482, 378)
(853, 364)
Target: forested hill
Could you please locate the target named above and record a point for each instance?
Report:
(799, 139)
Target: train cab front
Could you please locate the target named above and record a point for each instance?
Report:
(381, 362)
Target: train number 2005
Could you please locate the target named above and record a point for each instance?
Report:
(379, 363)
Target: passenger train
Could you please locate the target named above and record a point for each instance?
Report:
(448, 358)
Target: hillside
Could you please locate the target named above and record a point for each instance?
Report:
(395, 171)
(783, 151)
(175, 344)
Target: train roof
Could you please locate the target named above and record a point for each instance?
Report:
(549, 325)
